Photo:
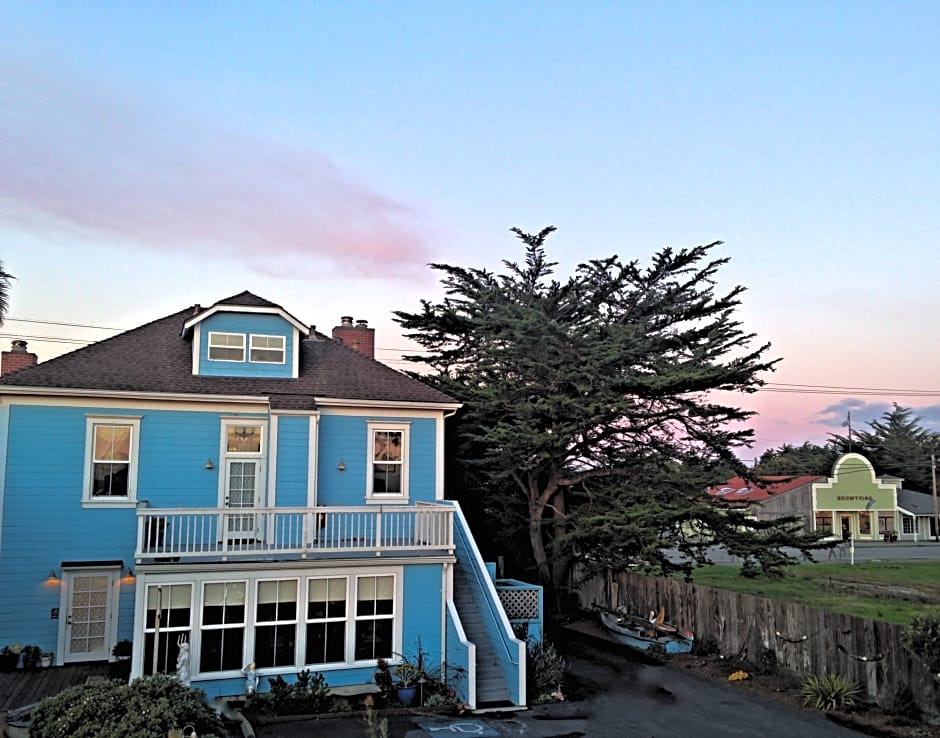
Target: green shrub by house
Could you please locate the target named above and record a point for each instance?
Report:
(145, 708)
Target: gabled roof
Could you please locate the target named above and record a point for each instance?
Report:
(738, 488)
(243, 302)
(916, 503)
(156, 359)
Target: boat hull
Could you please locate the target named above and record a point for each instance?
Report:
(642, 635)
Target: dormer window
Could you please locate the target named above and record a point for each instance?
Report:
(226, 346)
(267, 349)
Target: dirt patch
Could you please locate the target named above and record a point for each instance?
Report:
(786, 689)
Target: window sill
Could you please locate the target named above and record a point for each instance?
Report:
(390, 500)
(121, 503)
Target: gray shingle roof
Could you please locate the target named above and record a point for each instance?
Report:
(154, 358)
(915, 502)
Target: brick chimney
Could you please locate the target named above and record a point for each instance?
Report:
(359, 337)
(16, 358)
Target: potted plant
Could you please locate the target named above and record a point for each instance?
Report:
(31, 657)
(120, 667)
(10, 657)
(408, 674)
(46, 658)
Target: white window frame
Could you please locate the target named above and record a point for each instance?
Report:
(277, 623)
(171, 632)
(252, 348)
(908, 525)
(327, 619)
(193, 632)
(386, 498)
(213, 334)
(356, 618)
(130, 500)
(243, 626)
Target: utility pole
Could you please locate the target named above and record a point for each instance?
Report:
(848, 422)
(936, 510)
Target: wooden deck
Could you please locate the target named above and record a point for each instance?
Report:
(20, 688)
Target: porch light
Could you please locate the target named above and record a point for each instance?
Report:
(53, 576)
(130, 573)
(209, 465)
(341, 466)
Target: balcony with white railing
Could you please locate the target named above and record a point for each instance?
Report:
(221, 534)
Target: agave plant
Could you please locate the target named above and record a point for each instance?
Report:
(829, 692)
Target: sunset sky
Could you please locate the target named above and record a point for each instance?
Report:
(157, 155)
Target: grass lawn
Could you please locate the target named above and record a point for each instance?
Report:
(891, 591)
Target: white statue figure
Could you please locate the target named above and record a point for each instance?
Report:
(182, 661)
(251, 679)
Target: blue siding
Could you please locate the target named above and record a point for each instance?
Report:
(346, 437)
(424, 609)
(43, 489)
(246, 323)
(293, 438)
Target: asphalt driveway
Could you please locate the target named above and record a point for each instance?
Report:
(629, 699)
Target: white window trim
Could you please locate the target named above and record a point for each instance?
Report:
(224, 333)
(251, 347)
(386, 498)
(252, 579)
(88, 478)
(225, 455)
(296, 622)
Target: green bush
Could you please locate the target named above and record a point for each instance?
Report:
(829, 692)
(309, 694)
(921, 636)
(545, 671)
(144, 708)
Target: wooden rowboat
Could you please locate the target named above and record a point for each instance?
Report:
(642, 634)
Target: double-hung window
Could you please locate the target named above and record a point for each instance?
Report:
(223, 626)
(111, 459)
(276, 623)
(168, 624)
(375, 617)
(824, 523)
(326, 621)
(388, 462)
(266, 349)
(226, 346)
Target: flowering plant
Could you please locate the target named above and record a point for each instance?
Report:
(11, 649)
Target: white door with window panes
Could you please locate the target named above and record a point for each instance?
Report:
(242, 479)
(89, 600)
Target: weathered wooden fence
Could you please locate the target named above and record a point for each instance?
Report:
(803, 640)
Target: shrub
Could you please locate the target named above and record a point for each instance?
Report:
(545, 671)
(829, 692)
(904, 706)
(310, 694)
(921, 636)
(144, 708)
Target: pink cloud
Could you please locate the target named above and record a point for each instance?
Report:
(129, 169)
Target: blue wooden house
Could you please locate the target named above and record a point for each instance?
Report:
(231, 479)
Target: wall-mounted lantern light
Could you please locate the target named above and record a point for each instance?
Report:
(341, 466)
(209, 465)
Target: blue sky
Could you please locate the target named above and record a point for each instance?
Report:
(321, 154)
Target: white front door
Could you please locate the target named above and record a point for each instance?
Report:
(242, 492)
(242, 486)
(89, 597)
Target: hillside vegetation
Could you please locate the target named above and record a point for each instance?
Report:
(890, 591)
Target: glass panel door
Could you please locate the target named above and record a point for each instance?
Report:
(89, 604)
(242, 492)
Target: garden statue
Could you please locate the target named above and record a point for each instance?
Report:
(251, 679)
(182, 661)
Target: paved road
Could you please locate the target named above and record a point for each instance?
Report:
(632, 700)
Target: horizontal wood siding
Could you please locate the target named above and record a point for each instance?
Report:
(745, 626)
(346, 437)
(246, 324)
(424, 609)
(293, 434)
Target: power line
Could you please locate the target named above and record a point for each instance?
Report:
(70, 325)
